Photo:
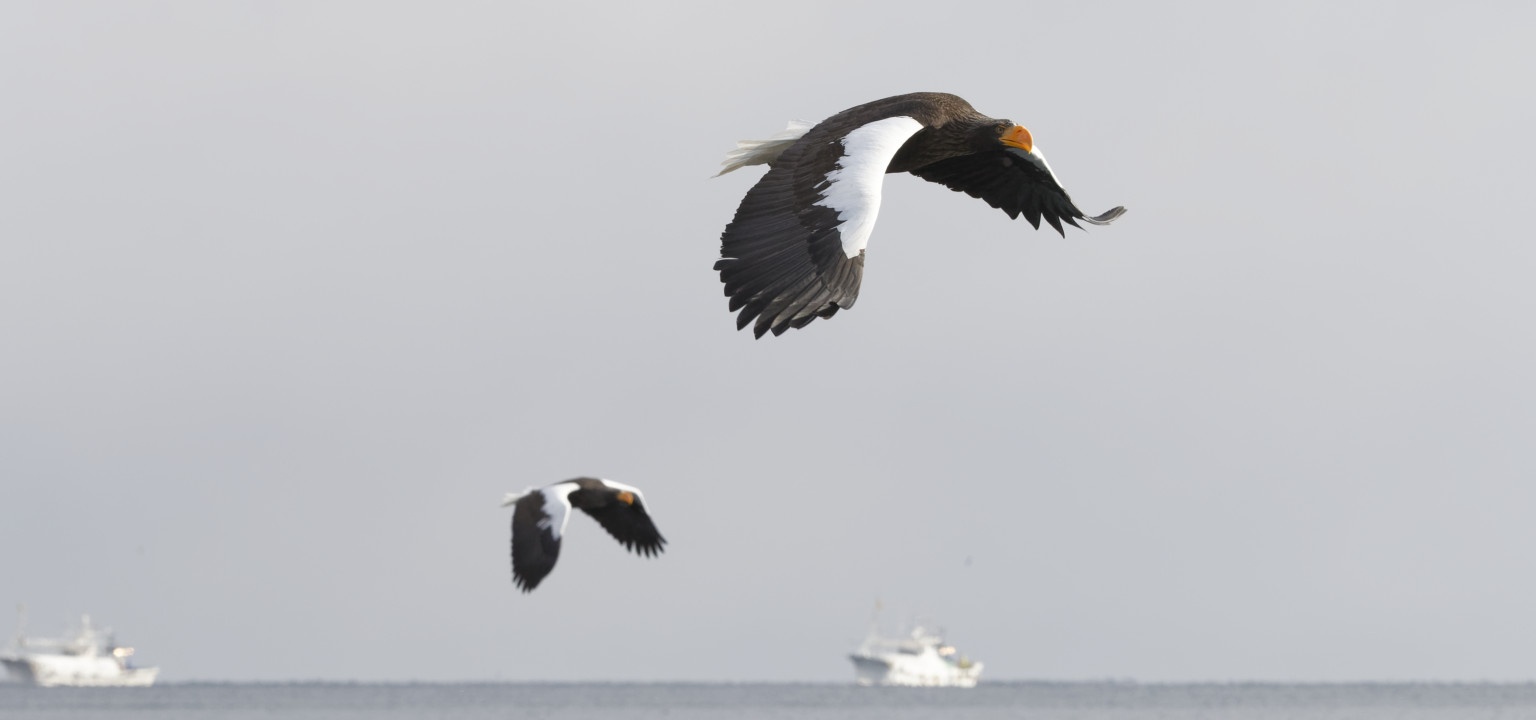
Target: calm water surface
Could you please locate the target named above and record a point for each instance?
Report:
(589, 701)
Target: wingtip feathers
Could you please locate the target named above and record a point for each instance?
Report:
(1108, 216)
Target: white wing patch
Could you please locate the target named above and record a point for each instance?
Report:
(853, 187)
(762, 152)
(557, 508)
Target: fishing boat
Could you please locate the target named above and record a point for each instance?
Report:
(87, 657)
(921, 659)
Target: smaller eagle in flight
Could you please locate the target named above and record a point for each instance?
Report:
(540, 516)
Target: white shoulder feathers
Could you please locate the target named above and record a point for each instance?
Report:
(853, 188)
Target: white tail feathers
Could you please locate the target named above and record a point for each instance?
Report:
(512, 498)
(762, 152)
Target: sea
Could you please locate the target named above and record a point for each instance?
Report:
(758, 701)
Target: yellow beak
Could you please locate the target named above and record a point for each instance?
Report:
(1018, 137)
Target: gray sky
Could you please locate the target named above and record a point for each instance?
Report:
(291, 293)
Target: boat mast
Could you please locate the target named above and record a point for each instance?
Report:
(872, 637)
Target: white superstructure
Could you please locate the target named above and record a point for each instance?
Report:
(922, 659)
(88, 658)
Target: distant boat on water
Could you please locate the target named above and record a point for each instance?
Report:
(921, 659)
(86, 658)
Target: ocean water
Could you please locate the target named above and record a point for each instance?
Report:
(624, 701)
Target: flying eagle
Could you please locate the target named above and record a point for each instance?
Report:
(795, 250)
(540, 516)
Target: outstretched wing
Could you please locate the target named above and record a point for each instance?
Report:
(795, 250)
(537, 522)
(1016, 181)
(630, 524)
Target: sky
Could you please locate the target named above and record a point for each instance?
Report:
(291, 293)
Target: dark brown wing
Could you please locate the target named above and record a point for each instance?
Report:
(629, 524)
(781, 258)
(535, 540)
(1015, 181)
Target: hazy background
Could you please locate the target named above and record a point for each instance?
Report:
(291, 293)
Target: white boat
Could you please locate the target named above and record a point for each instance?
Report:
(87, 658)
(922, 659)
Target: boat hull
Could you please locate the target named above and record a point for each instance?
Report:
(77, 671)
(912, 671)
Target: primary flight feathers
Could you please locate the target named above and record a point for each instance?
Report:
(795, 250)
(541, 514)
